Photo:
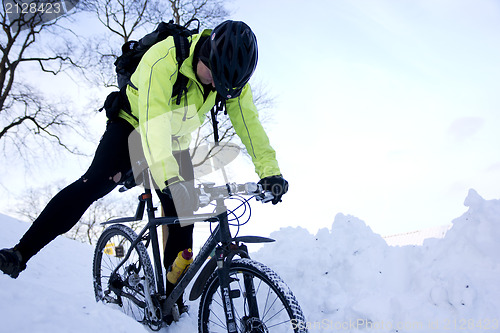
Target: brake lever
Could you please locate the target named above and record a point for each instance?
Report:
(265, 197)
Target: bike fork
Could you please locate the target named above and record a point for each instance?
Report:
(253, 309)
(224, 283)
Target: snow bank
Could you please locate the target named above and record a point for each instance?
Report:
(347, 279)
(55, 293)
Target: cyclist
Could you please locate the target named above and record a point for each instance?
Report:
(221, 63)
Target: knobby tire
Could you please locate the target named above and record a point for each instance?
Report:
(279, 311)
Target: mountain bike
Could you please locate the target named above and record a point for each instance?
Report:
(237, 293)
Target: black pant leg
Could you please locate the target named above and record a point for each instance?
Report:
(179, 237)
(111, 161)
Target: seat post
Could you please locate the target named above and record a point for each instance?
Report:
(148, 196)
(153, 232)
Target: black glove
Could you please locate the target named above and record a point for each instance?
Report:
(183, 195)
(277, 185)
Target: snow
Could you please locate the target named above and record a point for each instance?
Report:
(346, 278)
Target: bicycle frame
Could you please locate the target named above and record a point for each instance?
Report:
(222, 261)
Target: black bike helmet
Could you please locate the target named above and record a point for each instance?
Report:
(233, 57)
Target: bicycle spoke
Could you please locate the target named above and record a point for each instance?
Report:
(271, 306)
(277, 313)
(285, 322)
(222, 323)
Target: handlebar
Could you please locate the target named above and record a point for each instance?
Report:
(208, 192)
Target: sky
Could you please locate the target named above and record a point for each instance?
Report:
(384, 110)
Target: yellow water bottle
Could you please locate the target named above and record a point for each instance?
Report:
(183, 260)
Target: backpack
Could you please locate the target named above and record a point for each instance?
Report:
(132, 53)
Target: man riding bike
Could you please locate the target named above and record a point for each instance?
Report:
(220, 63)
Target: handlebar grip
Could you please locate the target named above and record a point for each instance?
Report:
(208, 192)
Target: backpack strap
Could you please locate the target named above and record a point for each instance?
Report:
(220, 104)
(182, 49)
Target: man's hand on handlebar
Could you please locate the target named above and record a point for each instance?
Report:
(188, 199)
(183, 195)
(277, 185)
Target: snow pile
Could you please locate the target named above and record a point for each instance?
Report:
(55, 293)
(347, 279)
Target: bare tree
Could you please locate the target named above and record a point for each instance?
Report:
(36, 117)
(31, 46)
(209, 12)
(122, 20)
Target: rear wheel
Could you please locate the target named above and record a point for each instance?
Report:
(262, 302)
(128, 286)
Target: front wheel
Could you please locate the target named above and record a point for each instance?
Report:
(262, 302)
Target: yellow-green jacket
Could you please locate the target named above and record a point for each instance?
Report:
(166, 127)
